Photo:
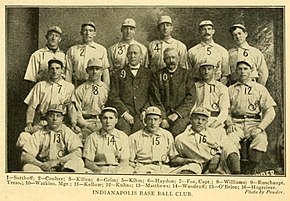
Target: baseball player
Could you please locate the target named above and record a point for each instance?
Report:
(107, 150)
(157, 47)
(212, 95)
(38, 63)
(54, 147)
(78, 56)
(117, 52)
(173, 91)
(129, 91)
(152, 148)
(55, 90)
(243, 51)
(208, 48)
(90, 98)
(212, 151)
(251, 112)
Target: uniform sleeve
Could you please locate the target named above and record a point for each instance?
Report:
(190, 98)
(32, 144)
(178, 146)
(105, 60)
(154, 94)
(72, 140)
(90, 148)
(225, 68)
(33, 98)
(132, 148)
(125, 154)
(145, 62)
(266, 100)
(110, 58)
(183, 56)
(32, 68)
(224, 105)
(69, 64)
(262, 69)
(172, 152)
(114, 95)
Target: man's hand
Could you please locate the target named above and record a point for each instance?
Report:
(165, 124)
(75, 128)
(214, 124)
(231, 128)
(48, 165)
(256, 131)
(213, 165)
(128, 117)
(173, 117)
(92, 127)
(29, 128)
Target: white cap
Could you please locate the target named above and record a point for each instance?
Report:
(205, 22)
(201, 110)
(129, 22)
(153, 110)
(163, 19)
(55, 28)
(95, 62)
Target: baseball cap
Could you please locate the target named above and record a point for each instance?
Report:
(56, 108)
(201, 110)
(55, 28)
(90, 24)
(95, 62)
(153, 110)
(209, 62)
(237, 26)
(205, 22)
(129, 22)
(56, 61)
(163, 19)
(111, 109)
(245, 61)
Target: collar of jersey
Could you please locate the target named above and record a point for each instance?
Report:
(192, 132)
(60, 82)
(48, 131)
(88, 84)
(169, 41)
(212, 43)
(245, 46)
(93, 45)
(114, 133)
(48, 50)
(248, 83)
(148, 135)
(202, 83)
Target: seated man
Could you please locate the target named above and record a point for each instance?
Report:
(54, 90)
(53, 148)
(212, 95)
(212, 152)
(152, 148)
(107, 150)
(249, 100)
(90, 97)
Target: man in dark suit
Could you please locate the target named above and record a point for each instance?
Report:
(173, 91)
(129, 91)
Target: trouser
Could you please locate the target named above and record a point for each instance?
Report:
(127, 128)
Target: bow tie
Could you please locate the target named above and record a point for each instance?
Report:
(132, 68)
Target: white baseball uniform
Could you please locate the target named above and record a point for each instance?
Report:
(199, 53)
(78, 56)
(252, 55)
(38, 63)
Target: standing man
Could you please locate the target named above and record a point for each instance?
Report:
(251, 112)
(173, 91)
(243, 51)
(55, 90)
(212, 95)
(38, 63)
(90, 98)
(130, 90)
(107, 150)
(157, 47)
(78, 56)
(54, 148)
(211, 151)
(117, 53)
(207, 48)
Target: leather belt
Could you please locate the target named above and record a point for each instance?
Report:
(254, 116)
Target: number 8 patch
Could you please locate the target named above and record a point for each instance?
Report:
(95, 89)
